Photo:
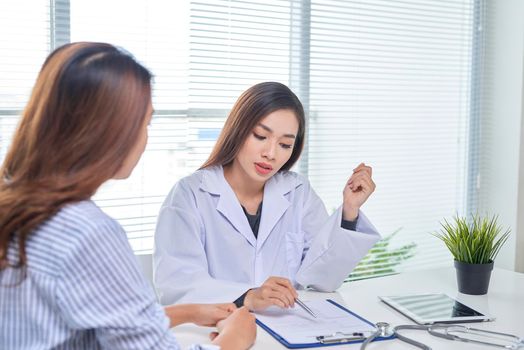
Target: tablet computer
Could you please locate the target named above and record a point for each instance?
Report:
(434, 308)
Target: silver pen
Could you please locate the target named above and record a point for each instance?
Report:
(305, 307)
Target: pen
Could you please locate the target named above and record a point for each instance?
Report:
(305, 307)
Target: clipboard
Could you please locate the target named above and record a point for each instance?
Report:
(269, 322)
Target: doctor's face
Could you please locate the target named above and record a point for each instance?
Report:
(269, 146)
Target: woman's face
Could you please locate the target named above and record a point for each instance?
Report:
(269, 146)
(136, 152)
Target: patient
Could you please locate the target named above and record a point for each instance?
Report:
(68, 277)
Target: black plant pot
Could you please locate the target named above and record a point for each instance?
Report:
(473, 278)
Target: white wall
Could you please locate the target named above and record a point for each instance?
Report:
(520, 207)
(502, 123)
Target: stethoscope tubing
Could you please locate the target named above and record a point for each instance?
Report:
(409, 340)
(382, 330)
(458, 328)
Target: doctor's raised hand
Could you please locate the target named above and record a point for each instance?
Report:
(356, 191)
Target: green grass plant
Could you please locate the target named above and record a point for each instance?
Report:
(382, 259)
(475, 242)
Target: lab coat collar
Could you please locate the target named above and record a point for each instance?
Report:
(214, 182)
(274, 206)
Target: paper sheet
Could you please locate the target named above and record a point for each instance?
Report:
(296, 326)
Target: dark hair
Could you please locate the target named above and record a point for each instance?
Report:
(252, 106)
(85, 114)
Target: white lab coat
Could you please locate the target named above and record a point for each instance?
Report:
(205, 250)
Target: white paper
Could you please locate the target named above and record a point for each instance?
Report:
(297, 326)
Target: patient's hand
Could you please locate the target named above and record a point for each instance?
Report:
(209, 314)
(200, 314)
(237, 332)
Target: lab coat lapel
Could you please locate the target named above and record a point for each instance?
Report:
(228, 204)
(273, 208)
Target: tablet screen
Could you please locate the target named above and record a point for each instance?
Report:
(434, 308)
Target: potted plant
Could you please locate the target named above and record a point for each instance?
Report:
(474, 246)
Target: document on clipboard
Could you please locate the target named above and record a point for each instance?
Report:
(295, 328)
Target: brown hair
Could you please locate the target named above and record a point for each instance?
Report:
(252, 106)
(84, 116)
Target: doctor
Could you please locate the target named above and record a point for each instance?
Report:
(246, 228)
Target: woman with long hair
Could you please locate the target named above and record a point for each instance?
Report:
(247, 228)
(68, 277)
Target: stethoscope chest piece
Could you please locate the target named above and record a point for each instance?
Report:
(383, 329)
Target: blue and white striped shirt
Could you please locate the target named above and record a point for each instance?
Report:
(83, 290)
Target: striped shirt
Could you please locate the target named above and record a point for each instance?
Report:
(83, 289)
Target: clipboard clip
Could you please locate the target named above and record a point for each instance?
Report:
(340, 337)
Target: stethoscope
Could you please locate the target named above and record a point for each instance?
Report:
(446, 331)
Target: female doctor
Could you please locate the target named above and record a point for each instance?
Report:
(246, 228)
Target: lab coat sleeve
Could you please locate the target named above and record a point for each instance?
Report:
(331, 252)
(180, 267)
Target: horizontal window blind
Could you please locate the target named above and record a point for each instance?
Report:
(156, 32)
(24, 44)
(390, 86)
(235, 44)
(389, 83)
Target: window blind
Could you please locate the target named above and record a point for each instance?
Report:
(390, 86)
(384, 82)
(156, 32)
(389, 83)
(24, 44)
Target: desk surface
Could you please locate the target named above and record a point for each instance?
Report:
(504, 301)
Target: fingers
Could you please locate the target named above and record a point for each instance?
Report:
(361, 182)
(363, 168)
(277, 295)
(284, 288)
(276, 291)
(273, 295)
(244, 310)
(211, 314)
(217, 312)
(284, 282)
(358, 180)
(229, 307)
(275, 301)
(238, 331)
(357, 190)
(220, 325)
(220, 314)
(361, 179)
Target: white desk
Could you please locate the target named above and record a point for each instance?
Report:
(505, 301)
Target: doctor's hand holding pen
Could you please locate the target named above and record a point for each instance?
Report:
(356, 191)
(278, 291)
